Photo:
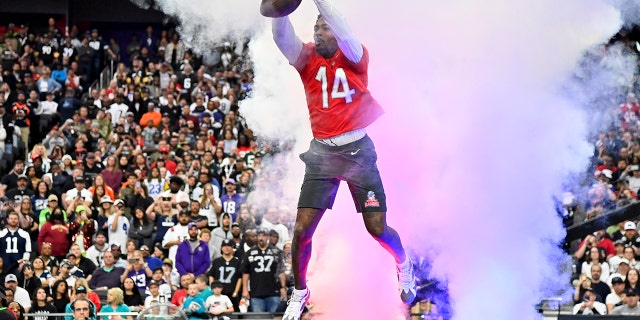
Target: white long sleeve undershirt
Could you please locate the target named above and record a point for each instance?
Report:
(291, 46)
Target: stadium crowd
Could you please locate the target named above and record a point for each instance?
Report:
(606, 268)
(134, 194)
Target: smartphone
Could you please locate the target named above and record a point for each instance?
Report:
(133, 260)
(138, 184)
(635, 167)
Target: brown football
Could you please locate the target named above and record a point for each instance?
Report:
(278, 8)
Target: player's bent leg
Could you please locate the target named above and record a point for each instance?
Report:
(376, 224)
(306, 223)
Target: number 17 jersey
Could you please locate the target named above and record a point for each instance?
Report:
(336, 89)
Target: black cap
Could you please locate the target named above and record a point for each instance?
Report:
(216, 284)
(631, 292)
(615, 280)
(81, 289)
(78, 179)
(227, 242)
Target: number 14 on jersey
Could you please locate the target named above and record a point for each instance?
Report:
(339, 82)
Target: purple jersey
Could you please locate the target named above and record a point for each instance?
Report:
(139, 278)
(231, 204)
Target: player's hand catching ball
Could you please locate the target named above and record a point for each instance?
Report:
(278, 8)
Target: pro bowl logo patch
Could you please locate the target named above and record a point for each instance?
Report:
(371, 200)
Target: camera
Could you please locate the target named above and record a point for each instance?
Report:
(635, 167)
(133, 260)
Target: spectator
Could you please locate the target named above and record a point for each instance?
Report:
(267, 284)
(80, 293)
(107, 276)
(98, 249)
(218, 235)
(40, 305)
(132, 296)
(28, 279)
(615, 298)
(193, 305)
(589, 305)
(118, 225)
(15, 243)
(91, 295)
(154, 295)
(181, 294)
(81, 310)
(176, 234)
(595, 256)
(141, 231)
(227, 271)
(76, 258)
(192, 255)
(631, 307)
(115, 304)
(137, 269)
(41, 272)
(231, 201)
(218, 304)
(55, 231)
(600, 288)
(60, 295)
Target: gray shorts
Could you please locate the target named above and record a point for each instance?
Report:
(354, 163)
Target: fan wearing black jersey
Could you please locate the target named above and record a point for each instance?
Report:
(263, 272)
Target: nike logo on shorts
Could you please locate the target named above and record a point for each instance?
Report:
(355, 152)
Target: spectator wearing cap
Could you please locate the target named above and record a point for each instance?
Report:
(21, 295)
(118, 225)
(226, 270)
(22, 190)
(107, 276)
(623, 268)
(630, 307)
(268, 286)
(154, 295)
(170, 275)
(615, 298)
(630, 238)
(589, 305)
(165, 155)
(231, 200)
(192, 255)
(55, 231)
(151, 115)
(219, 234)
(97, 250)
(177, 234)
(10, 180)
(634, 178)
(219, 304)
(80, 293)
(614, 261)
(77, 195)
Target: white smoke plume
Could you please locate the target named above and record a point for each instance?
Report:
(476, 139)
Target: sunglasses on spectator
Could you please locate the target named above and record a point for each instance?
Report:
(166, 198)
(82, 309)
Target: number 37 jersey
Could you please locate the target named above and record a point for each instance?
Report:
(263, 267)
(336, 91)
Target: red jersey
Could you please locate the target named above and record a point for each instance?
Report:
(337, 94)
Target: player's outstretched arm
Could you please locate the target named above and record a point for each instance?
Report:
(350, 46)
(286, 39)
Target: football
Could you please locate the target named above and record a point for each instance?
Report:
(278, 8)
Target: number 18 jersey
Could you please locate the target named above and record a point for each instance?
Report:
(336, 90)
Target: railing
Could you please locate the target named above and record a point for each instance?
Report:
(233, 315)
(104, 78)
